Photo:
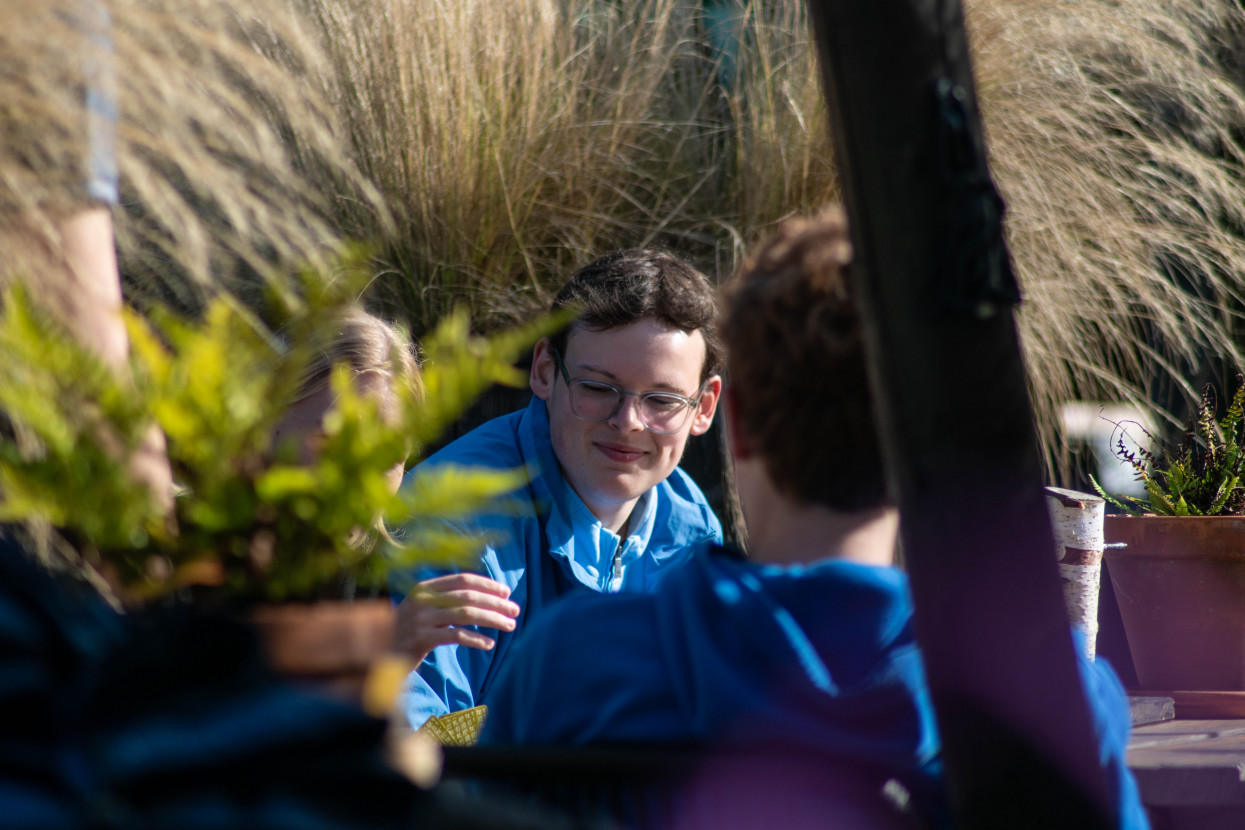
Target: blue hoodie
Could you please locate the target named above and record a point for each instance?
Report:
(553, 545)
(820, 658)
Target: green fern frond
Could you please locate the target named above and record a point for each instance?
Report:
(1202, 476)
(1222, 494)
(1160, 503)
(1112, 499)
(1236, 412)
(246, 511)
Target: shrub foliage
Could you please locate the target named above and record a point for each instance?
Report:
(248, 518)
(1201, 477)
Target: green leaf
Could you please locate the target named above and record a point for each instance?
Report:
(280, 483)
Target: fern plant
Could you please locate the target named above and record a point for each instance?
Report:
(1200, 478)
(250, 520)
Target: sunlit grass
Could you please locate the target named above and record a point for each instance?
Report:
(229, 159)
(1115, 135)
(515, 142)
(490, 148)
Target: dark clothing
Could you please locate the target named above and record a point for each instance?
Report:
(820, 659)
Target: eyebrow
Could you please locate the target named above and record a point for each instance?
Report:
(658, 387)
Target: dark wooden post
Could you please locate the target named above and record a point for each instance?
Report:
(937, 293)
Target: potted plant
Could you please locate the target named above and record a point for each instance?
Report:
(1179, 569)
(255, 529)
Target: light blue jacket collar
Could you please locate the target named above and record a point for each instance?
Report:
(572, 533)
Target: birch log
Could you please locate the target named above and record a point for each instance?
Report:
(1076, 521)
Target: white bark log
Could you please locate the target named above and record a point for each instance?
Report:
(1076, 520)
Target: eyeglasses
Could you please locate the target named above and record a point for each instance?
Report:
(595, 400)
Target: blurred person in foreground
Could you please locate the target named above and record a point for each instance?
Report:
(382, 364)
(616, 396)
(809, 647)
(56, 211)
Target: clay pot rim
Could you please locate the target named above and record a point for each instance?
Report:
(1132, 553)
(1176, 537)
(1154, 516)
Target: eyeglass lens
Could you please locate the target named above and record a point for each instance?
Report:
(660, 412)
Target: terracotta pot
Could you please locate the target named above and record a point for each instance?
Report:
(331, 645)
(1180, 585)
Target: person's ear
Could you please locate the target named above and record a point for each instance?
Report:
(740, 448)
(544, 369)
(703, 419)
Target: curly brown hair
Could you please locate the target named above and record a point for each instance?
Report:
(797, 363)
(627, 286)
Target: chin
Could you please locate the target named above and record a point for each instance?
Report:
(628, 490)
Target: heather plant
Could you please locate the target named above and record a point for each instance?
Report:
(1200, 477)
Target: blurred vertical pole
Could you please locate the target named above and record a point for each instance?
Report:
(937, 294)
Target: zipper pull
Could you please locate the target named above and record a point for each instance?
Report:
(616, 571)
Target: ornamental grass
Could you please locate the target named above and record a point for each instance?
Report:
(485, 150)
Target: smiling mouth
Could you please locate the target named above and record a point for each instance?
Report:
(620, 454)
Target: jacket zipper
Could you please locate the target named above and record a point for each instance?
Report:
(616, 568)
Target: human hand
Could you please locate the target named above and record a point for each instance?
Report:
(434, 611)
(150, 465)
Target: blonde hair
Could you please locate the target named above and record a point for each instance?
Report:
(368, 345)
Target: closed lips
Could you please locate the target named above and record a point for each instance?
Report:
(620, 453)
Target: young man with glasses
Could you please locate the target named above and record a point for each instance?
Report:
(799, 665)
(616, 396)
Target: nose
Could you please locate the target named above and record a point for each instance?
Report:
(627, 417)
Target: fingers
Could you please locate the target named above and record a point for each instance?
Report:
(436, 597)
(434, 611)
(465, 582)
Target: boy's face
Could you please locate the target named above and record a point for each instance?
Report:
(611, 463)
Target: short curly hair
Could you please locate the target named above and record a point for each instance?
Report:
(797, 364)
(627, 286)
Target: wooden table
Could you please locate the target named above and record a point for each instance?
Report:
(1191, 773)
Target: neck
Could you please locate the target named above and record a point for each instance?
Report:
(616, 520)
(783, 532)
(613, 517)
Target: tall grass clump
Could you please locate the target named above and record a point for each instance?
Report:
(490, 148)
(780, 162)
(224, 141)
(509, 139)
(1115, 132)
(516, 141)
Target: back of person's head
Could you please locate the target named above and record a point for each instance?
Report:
(380, 358)
(627, 286)
(798, 370)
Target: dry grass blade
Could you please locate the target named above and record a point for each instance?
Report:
(1114, 130)
(517, 141)
(212, 96)
(512, 142)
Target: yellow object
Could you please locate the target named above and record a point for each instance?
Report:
(384, 682)
(456, 728)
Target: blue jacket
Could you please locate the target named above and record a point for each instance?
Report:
(553, 545)
(819, 658)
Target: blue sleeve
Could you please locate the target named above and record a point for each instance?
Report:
(450, 678)
(98, 66)
(588, 671)
(439, 686)
(1108, 704)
